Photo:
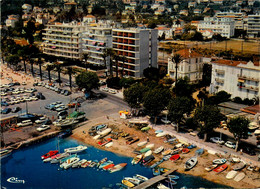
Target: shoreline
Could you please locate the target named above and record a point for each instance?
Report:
(120, 147)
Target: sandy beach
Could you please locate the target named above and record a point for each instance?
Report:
(251, 180)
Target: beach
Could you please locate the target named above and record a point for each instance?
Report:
(120, 147)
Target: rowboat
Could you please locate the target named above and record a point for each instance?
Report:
(133, 180)
(93, 163)
(173, 182)
(158, 150)
(147, 159)
(211, 167)
(239, 177)
(79, 163)
(69, 163)
(96, 137)
(108, 166)
(117, 167)
(166, 158)
(167, 152)
(148, 153)
(235, 159)
(190, 163)
(109, 144)
(174, 177)
(158, 131)
(127, 183)
(161, 186)
(49, 154)
(231, 174)
(87, 163)
(175, 157)
(137, 159)
(62, 156)
(239, 166)
(133, 141)
(219, 161)
(105, 142)
(76, 149)
(5, 153)
(191, 146)
(185, 150)
(144, 150)
(156, 171)
(141, 177)
(105, 164)
(142, 143)
(146, 128)
(161, 134)
(164, 170)
(68, 157)
(199, 151)
(101, 161)
(149, 146)
(220, 168)
(104, 132)
(156, 164)
(100, 127)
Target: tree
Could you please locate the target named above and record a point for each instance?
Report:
(85, 59)
(39, 61)
(69, 71)
(123, 59)
(49, 67)
(176, 59)
(206, 75)
(87, 81)
(238, 126)
(178, 107)
(104, 55)
(155, 101)
(117, 58)
(152, 73)
(31, 61)
(111, 53)
(134, 95)
(183, 87)
(58, 68)
(13, 60)
(208, 117)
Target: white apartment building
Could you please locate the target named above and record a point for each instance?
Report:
(240, 18)
(190, 66)
(238, 78)
(63, 40)
(94, 41)
(139, 46)
(223, 26)
(10, 21)
(253, 29)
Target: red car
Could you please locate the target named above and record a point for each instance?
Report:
(49, 154)
(73, 104)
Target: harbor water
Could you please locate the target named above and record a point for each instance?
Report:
(26, 164)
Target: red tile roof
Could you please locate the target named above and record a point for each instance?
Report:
(186, 53)
(252, 109)
(229, 62)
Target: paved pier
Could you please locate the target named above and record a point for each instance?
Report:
(154, 180)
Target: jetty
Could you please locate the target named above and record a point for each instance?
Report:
(154, 180)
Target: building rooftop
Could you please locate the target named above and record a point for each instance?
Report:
(252, 109)
(187, 53)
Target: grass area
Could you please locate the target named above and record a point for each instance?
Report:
(252, 47)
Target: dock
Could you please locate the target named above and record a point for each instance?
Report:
(154, 180)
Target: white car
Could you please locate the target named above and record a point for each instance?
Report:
(105, 89)
(217, 140)
(40, 120)
(166, 121)
(34, 98)
(112, 91)
(230, 144)
(43, 128)
(25, 123)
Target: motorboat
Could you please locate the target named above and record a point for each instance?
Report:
(68, 157)
(175, 157)
(144, 150)
(109, 144)
(174, 177)
(104, 132)
(231, 174)
(51, 158)
(149, 146)
(141, 177)
(79, 163)
(191, 146)
(161, 134)
(77, 115)
(185, 150)
(93, 163)
(101, 161)
(166, 158)
(167, 152)
(105, 164)
(86, 164)
(156, 171)
(148, 153)
(219, 161)
(221, 168)
(108, 166)
(117, 167)
(127, 183)
(137, 159)
(65, 123)
(147, 159)
(100, 127)
(69, 162)
(190, 163)
(199, 151)
(60, 157)
(5, 153)
(133, 180)
(158, 150)
(65, 134)
(161, 186)
(142, 143)
(156, 164)
(77, 149)
(211, 167)
(49, 154)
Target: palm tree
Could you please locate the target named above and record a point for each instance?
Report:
(123, 59)
(176, 59)
(39, 62)
(104, 56)
(49, 67)
(23, 57)
(111, 53)
(58, 68)
(117, 58)
(31, 62)
(69, 71)
(85, 59)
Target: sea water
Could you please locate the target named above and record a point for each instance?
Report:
(26, 164)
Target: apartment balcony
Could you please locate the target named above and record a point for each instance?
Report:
(249, 88)
(220, 72)
(241, 77)
(218, 80)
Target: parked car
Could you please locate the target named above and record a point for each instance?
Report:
(3, 103)
(217, 140)
(47, 122)
(6, 110)
(62, 114)
(40, 120)
(16, 109)
(43, 128)
(67, 93)
(230, 144)
(25, 123)
(40, 96)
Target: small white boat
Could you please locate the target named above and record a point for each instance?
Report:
(69, 163)
(239, 177)
(77, 149)
(142, 143)
(219, 161)
(190, 163)
(104, 132)
(161, 134)
(148, 153)
(149, 146)
(109, 144)
(133, 180)
(158, 150)
(117, 167)
(161, 186)
(231, 174)
(257, 132)
(141, 177)
(79, 163)
(235, 159)
(96, 137)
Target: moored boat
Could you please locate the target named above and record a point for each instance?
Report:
(62, 156)
(127, 183)
(190, 163)
(137, 159)
(105, 164)
(175, 157)
(163, 170)
(161, 186)
(51, 158)
(142, 143)
(64, 134)
(77, 149)
(167, 152)
(79, 163)
(221, 168)
(67, 157)
(171, 181)
(93, 163)
(211, 167)
(147, 159)
(158, 150)
(101, 161)
(219, 161)
(133, 180)
(148, 153)
(149, 146)
(49, 154)
(185, 150)
(117, 167)
(69, 163)
(231, 174)
(156, 171)
(141, 177)
(86, 164)
(5, 153)
(174, 177)
(108, 166)
(239, 166)
(239, 177)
